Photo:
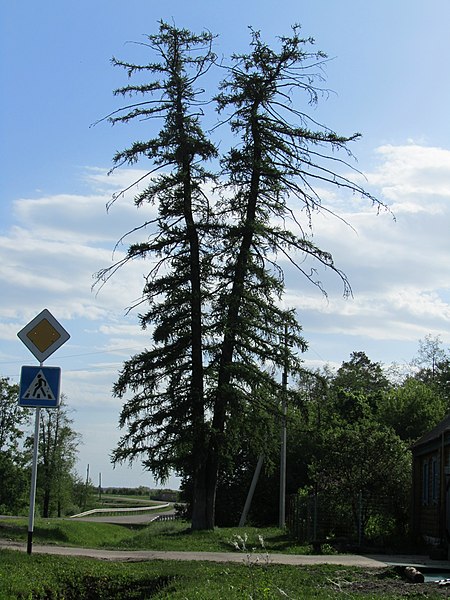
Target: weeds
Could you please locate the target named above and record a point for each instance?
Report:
(262, 584)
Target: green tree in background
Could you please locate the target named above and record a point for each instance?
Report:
(365, 467)
(56, 477)
(357, 381)
(352, 459)
(432, 365)
(429, 357)
(13, 418)
(13, 423)
(412, 408)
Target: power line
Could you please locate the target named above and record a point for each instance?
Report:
(13, 362)
(88, 368)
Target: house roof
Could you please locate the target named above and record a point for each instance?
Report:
(434, 433)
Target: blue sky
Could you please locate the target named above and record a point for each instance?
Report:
(388, 72)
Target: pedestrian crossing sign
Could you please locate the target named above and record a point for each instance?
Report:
(40, 386)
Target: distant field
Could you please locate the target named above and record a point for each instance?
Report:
(118, 500)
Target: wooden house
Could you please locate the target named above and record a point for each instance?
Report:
(431, 486)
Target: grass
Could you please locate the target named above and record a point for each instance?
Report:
(177, 536)
(118, 501)
(64, 532)
(170, 535)
(45, 577)
(115, 501)
(41, 577)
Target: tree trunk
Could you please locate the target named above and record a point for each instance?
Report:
(46, 503)
(206, 478)
(232, 328)
(202, 515)
(204, 494)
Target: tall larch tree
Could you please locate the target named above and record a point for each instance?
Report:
(269, 197)
(166, 415)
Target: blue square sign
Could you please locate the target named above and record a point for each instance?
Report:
(40, 386)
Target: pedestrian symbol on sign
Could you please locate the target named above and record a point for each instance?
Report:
(39, 389)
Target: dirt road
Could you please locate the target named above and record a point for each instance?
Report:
(375, 561)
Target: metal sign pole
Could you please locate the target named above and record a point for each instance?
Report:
(40, 388)
(33, 480)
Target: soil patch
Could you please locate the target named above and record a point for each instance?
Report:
(390, 582)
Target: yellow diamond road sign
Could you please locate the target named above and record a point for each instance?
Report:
(43, 335)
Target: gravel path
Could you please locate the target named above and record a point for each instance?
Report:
(286, 559)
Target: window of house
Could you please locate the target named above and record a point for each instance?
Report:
(435, 480)
(425, 482)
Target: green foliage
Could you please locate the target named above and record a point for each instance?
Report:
(13, 474)
(357, 382)
(412, 408)
(12, 418)
(432, 367)
(58, 444)
(362, 458)
(56, 456)
(429, 357)
(349, 454)
(14, 485)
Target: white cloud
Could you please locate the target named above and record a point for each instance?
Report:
(409, 173)
(399, 271)
(8, 331)
(118, 329)
(58, 242)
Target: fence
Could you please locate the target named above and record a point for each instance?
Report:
(166, 517)
(120, 510)
(316, 518)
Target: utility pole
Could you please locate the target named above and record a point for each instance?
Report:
(86, 486)
(251, 491)
(282, 509)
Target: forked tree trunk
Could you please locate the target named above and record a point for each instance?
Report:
(204, 495)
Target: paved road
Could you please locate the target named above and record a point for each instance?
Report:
(375, 561)
(136, 519)
(123, 519)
